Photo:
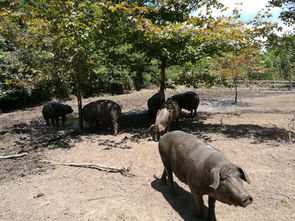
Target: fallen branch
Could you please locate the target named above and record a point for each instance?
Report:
(124, 171)
(280, 194)
(12, 156)
(274, 157)
(104, 197)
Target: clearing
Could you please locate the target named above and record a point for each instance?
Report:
(258, 134)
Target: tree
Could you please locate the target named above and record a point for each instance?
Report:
(279, 57)
(287, 15)
(167, 33)
(62, 29)
(235, 65)
(20, 83)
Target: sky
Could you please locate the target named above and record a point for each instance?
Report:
(249, 9)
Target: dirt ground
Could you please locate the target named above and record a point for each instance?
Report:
(257, 134)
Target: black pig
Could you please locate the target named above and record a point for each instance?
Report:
(106, 111)
(53, 110)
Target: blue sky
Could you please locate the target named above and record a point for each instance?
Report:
(250, 8)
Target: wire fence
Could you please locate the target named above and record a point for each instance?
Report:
(266, 83)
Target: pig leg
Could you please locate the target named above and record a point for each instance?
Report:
(154, 136)
(52, 121)
(168, 171)
(63, 120)
(211, 214)
(163, 177)
(158, 135)
(199, 203)
(56, 121)
(170, 177)
(47, 121)
(151, 114)
(115, 124)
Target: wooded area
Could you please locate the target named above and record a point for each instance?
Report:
(86, 48)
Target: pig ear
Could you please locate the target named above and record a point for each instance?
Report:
(243, 175)
(151, 127)
(161, 128)
(215, 178)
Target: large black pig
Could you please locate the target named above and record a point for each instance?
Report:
(105, 111)
(204, 169)
(154, 103)
(188, 100)
(53, 110)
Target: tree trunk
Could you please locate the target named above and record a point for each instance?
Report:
(163, 66)
(79, 99)
(289, 69)
(138, 80)
(236, 91)
(79, 66)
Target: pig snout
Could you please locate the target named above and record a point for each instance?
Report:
(246, 200)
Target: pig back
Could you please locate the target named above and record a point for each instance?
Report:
(102, 110)
(155, 102)
(187, 156)
(55, 109)
(190, 100)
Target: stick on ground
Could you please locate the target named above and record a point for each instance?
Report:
(124, 171)
(12, 156)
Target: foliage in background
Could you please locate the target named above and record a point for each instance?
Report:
(57, 48)
(194, 75)
(288, 10)
(279, 57)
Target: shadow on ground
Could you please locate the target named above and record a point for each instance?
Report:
(137, 123)
(36, 136)
(183, 203)
(31, 138)
(259, 134)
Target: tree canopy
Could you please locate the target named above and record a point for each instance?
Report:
(85, 47)
(288, 10)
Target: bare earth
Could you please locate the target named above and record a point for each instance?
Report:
(258, 134)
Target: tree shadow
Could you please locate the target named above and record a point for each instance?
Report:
(137, 124)
(31, 138)
(36, 135)
(183, 203)
(110, 144)
(224, 103)
(259, 134)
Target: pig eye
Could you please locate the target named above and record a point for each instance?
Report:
(222, 178)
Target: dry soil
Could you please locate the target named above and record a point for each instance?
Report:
(257, 134)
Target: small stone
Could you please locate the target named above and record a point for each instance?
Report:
(39, 195)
